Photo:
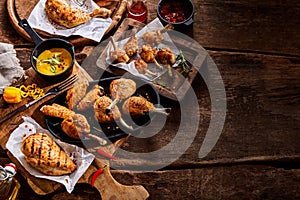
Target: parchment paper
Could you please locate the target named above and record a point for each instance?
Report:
(82, 158)
(93, 29)
(167, 42)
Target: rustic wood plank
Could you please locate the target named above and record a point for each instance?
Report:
(263, 112)
(228, 182)
(266, 26)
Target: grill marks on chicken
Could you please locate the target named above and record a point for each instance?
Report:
(121, 88)
(42, 153)
(137, 106)
(61, 12)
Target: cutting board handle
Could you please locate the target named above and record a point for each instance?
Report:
(109, 188)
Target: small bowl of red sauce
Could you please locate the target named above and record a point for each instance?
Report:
(179, 13)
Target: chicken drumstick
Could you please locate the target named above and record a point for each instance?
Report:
(74, 125)
(131, 45)
(148, 54)
(103, 117)
(137, 106)
(118, 55)
(166, 57)
(142, 67)
(121, 88)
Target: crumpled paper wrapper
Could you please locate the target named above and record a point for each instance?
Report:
(129, 67)
(93, 29)
(10, 69)
(82, 158)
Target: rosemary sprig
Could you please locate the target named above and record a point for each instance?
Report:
(182, 63)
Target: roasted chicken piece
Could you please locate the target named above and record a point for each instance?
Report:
(118, 55)
(148, 54)
(42, 153)
(76, 93)
(102, 116)
(167, 57)
(61, 12)
(120, 89)
(153, 38)
(142, 67)
(131, 46)
(74, 125)
(137, 106)
(90, 98)
(56, 110)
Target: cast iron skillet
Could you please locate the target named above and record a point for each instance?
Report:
(112, 131)
(42, 45)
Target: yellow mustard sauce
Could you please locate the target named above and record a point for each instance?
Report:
(53, 61)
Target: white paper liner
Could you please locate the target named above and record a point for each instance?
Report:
(93, 29)
(129, 67)
(82, 158)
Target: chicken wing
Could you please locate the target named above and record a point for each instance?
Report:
(61, 12)
(56, 110)
(76, 93)
(90, 98)
(75, 126)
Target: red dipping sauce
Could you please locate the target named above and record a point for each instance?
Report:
(174, 12)
(138, 11)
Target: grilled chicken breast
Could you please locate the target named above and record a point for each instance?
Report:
(46, 156)
(61, 12)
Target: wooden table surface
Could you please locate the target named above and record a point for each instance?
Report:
(256, 47)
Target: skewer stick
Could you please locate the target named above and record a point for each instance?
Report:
(157, 64)
(125, 124)
(170, 70)
(116, 48)
(100, 140)
(150, 72)
(112, 104)
(165, 111)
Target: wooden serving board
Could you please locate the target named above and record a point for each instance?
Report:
(17, 11)
(175, 87)
(107, 186)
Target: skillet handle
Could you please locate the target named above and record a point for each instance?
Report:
(34, 36)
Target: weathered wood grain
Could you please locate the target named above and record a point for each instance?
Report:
(256, 48)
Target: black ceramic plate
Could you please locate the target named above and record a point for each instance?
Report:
(112, 131)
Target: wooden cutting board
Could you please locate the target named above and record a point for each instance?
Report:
(17, 11)
(107, 186)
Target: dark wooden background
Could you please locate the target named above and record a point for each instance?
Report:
(256, 46)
